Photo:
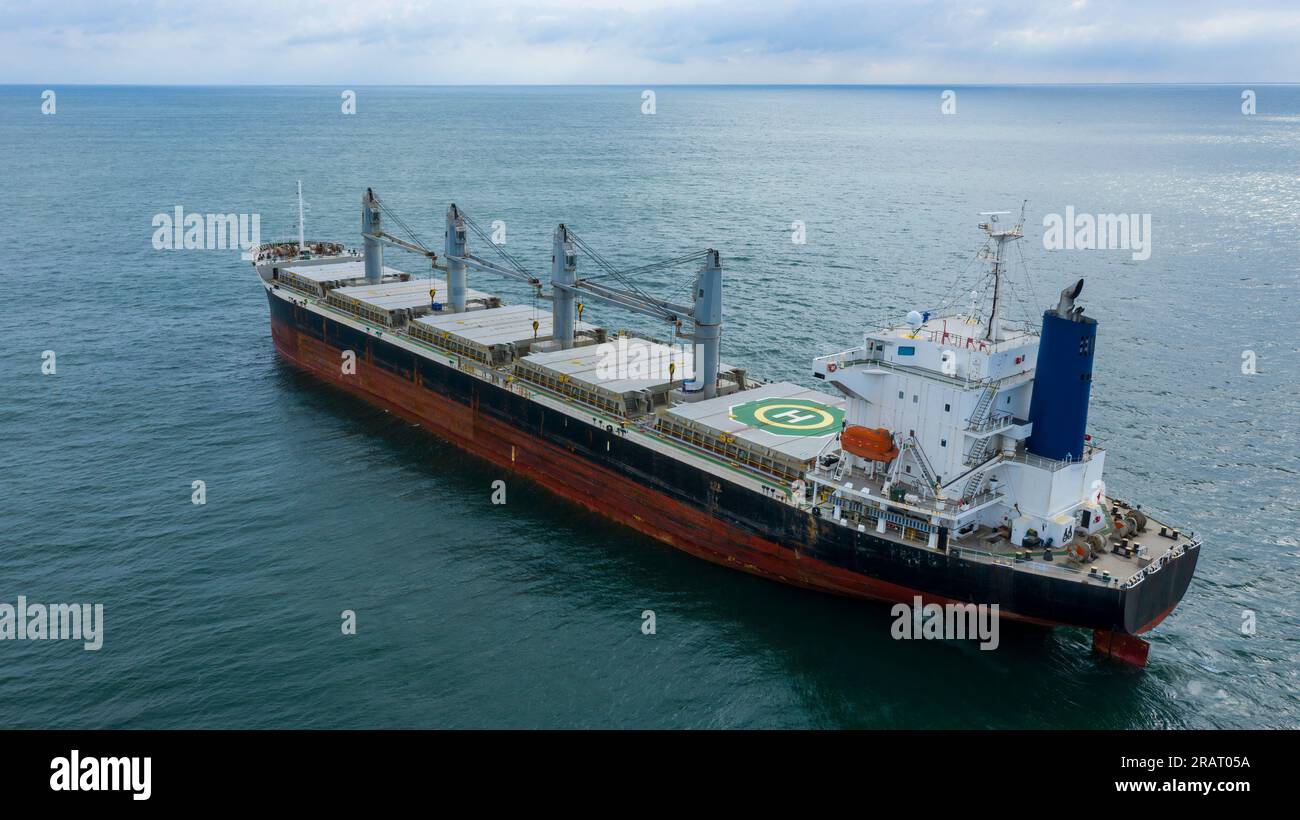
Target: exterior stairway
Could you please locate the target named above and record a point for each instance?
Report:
(973, 485)
(918, 455)
(979, 450)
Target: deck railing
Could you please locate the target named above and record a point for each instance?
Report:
(997, 421)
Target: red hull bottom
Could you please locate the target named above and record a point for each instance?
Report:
(1128, 649)
(598, 489)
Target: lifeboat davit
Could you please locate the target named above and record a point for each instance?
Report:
(874, 444)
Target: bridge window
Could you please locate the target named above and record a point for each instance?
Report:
(907, 351)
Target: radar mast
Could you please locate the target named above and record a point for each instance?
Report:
(996, 257)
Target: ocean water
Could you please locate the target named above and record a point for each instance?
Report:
(528, 614)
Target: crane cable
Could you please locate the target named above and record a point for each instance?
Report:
(487, 239)
(623, 277)
(401, 224)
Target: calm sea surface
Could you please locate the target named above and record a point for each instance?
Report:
(476, 615)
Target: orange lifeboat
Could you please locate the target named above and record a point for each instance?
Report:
(864, 442)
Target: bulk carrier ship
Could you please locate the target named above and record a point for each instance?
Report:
(951, 462)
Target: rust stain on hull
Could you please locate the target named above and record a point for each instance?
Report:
(599, 490)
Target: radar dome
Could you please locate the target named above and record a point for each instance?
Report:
(914, 318)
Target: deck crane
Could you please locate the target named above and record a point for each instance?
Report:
(457, 259)
(705, 311)
(373, 233)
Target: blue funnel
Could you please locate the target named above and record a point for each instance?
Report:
(1063, 380)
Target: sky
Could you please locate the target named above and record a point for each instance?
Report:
(454, 42)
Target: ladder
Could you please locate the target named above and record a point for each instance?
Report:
(927, 472)
(979, 450)
(973, 485)
(983, 409)
(982, 406)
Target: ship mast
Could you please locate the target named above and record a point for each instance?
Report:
(997, 259)
(302, 230)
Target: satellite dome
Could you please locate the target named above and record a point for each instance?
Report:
(914, 318)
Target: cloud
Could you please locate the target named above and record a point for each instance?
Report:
(647, 41)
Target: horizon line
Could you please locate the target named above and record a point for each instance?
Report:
(1183, 83)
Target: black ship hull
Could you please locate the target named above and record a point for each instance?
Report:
(693, 509)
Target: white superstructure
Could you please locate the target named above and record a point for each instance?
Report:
(954, 393)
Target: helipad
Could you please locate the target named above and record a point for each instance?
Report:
(781, 426)
(785, 416)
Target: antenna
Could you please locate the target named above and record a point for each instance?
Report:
(302, 229)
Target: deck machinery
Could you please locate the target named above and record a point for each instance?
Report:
(953, 463)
